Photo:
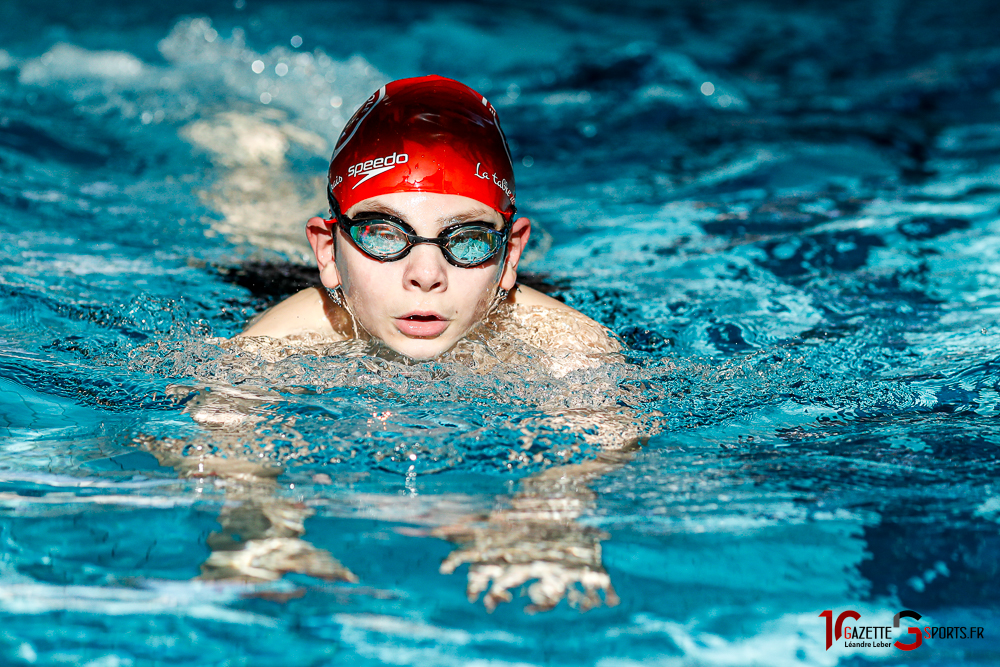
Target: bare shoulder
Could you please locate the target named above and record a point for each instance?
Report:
(528, 296)
(308, 312)
(555, 327)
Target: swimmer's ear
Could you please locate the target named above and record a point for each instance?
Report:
(320, 234)
(520, 231)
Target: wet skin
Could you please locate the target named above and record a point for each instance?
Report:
(420, 305)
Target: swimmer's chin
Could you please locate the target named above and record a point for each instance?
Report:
(422, 354)
(421, 348)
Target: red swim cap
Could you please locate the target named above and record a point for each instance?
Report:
(426, 134)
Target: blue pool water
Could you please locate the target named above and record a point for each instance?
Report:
(787, 211)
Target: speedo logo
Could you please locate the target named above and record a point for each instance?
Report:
(372, 168)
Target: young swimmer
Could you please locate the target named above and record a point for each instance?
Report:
(421, 248)
(423, 244)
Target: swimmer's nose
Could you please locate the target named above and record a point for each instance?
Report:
(425, 269)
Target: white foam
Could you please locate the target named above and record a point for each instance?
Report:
(194, 601)
(66, 62)
(416, 630)
(415, 642)
(72, 502)
(990, 509)
(311, 81)
(69, 481)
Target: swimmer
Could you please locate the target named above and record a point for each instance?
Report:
(423, 243)
(419, 254)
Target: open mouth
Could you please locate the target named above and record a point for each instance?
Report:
(421, 325)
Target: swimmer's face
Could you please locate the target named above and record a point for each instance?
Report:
(420, 305)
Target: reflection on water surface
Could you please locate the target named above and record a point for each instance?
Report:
(798, 256)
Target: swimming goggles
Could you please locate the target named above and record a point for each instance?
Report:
(386, 238)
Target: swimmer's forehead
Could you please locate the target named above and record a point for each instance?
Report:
(431, 208)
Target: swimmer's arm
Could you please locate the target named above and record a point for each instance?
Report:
(308, 312)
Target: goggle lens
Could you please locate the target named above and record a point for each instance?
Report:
(381, 239)
(472, 244)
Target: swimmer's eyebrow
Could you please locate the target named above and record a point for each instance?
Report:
(471, 216)
(375, 207)
(477, 216)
